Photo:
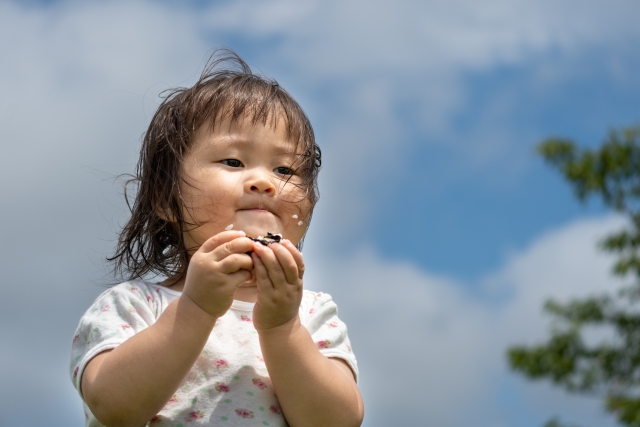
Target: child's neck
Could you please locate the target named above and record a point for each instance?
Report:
(247, 294)
(243, 293)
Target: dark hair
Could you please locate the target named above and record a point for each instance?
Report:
(226, 89)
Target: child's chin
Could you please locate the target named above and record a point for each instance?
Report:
(258, 226)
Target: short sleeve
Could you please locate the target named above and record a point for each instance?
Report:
(115, 316)
(319, 314)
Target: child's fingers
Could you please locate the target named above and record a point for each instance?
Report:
(263, 281)
(239, 245)
(280, 265)
(226, 236)
(235, 262)
(287, 263)
(241, 276)
(271, 263)
(297, 256)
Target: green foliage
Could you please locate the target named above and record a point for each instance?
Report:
(610, 171)
(611, 368)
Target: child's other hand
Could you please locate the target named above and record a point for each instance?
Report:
(278, 271)
(217, 269)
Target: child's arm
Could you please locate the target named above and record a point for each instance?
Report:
(128, 385)
(312, 389)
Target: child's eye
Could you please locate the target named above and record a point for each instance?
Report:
(232, 162)
(284, 171)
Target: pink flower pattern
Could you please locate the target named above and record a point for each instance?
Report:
(274, 409)
(323, 343)
(195, 415)
(221, 387)
(244, 413)
(221, 364)
(245, 318)
(259, 383)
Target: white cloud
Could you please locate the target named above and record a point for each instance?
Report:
(338, 38)
(432, 349)
(80, 81)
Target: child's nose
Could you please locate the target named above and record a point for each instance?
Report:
(260, 182)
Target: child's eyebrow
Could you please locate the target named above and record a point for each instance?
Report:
(228, 141)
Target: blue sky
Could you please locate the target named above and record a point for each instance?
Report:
(449, 231)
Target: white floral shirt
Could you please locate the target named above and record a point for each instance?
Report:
(228, 384)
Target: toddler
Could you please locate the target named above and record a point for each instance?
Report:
(230, 338)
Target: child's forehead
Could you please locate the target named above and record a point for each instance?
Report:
(244, 132)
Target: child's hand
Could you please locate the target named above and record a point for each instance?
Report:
(278, 271)
(217, 269)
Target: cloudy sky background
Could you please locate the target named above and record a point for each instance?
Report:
(451, 231)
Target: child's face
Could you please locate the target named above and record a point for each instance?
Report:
(238, 175)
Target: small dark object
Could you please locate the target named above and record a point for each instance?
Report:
(268, 239)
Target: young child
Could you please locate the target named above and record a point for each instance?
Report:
(231, 338)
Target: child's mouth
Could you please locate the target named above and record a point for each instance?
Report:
(256, 210)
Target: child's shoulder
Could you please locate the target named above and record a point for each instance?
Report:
(132, 289)
(311, 299)
(315, 296)
(133, 296)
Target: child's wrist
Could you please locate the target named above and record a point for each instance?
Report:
(194, 309)
(287, 328)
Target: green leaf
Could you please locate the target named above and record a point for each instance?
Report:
(610, 368)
